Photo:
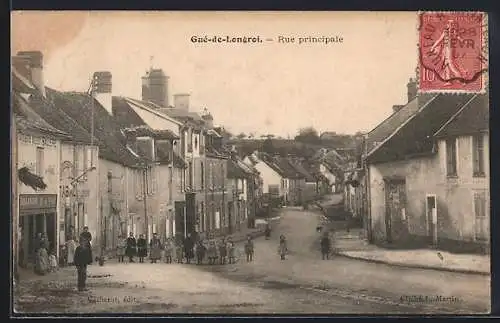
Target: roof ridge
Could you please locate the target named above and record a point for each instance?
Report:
(401, 126)
(465, 106)
(392, 114)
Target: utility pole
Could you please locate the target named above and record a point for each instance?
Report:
(145, 196)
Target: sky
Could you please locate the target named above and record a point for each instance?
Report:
(261, 88)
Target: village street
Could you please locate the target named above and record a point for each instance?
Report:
(303, 283)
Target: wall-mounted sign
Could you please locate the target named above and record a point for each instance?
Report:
(37, 203)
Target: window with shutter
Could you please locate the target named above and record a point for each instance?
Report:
(40, 161)
(481, 216)
(451, 157)
(478, 155)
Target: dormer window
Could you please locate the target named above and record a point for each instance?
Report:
(144, 146)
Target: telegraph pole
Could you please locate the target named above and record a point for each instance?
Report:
(145, 195)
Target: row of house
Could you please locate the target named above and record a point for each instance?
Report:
(291, 180)
(423, 177)
(118, 165)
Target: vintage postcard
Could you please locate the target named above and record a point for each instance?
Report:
(250, 163)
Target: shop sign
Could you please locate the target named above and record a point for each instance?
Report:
(36, 203)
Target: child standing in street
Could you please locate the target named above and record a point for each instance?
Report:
(231, 257)
(179, 250)
(222, 251)
(200, 252)
(212, 252)
(169, 250)
(53, 261)
(282, 248)
(249, 249)
(83, 258)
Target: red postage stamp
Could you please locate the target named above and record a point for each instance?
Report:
(453, 52)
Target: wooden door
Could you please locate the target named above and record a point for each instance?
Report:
(395, 200)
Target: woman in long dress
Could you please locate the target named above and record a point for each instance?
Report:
(142, 248)
(155, 248)
(41, 255)
(71, 247)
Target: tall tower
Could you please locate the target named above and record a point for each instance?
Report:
(155, 87)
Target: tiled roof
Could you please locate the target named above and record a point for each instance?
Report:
(78, 106)
(416, 136)
(235, 171)
(389, 125)
(288, 170)
(472, 118)
(124, 115)
(27, 119)
(52, 112)
(303, 171)
(146, 131)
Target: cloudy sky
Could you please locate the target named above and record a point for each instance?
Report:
(262, 88)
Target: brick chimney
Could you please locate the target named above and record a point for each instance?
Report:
(35, 61)
(412, 89)
(102, 90)
(181, 101)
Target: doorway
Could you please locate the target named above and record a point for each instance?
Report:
(431, 216)
(395, 204)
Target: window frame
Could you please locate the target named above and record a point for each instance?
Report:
(451, 143)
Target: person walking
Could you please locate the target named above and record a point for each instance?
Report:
(121, 248)
(200, 252)
(282, 248)
(249, 248)
(155, 248)
(83, 258)
(325, 246)
(188, 248)
(169, 250)
(131, 247)
(142, 248)
(268, 231)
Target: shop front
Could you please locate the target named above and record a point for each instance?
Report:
(37, 214)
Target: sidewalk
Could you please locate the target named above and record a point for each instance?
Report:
(352, 245)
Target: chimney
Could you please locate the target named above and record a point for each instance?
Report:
(208, 119)
(412, 89)
(35, 61)
(397, 107)
(102, 90)
(181, 101)
(155, 87)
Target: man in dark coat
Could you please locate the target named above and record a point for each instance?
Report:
(188, 248)
(325, 246)
(83, 258)
(87, 236)
(131, 247)
(142, 248)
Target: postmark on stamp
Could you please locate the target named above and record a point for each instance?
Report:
(453, 52)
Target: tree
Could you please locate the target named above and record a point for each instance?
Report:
(308, 135)
(242, 135)
(267, 146)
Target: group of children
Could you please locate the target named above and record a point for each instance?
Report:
(214, 251)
